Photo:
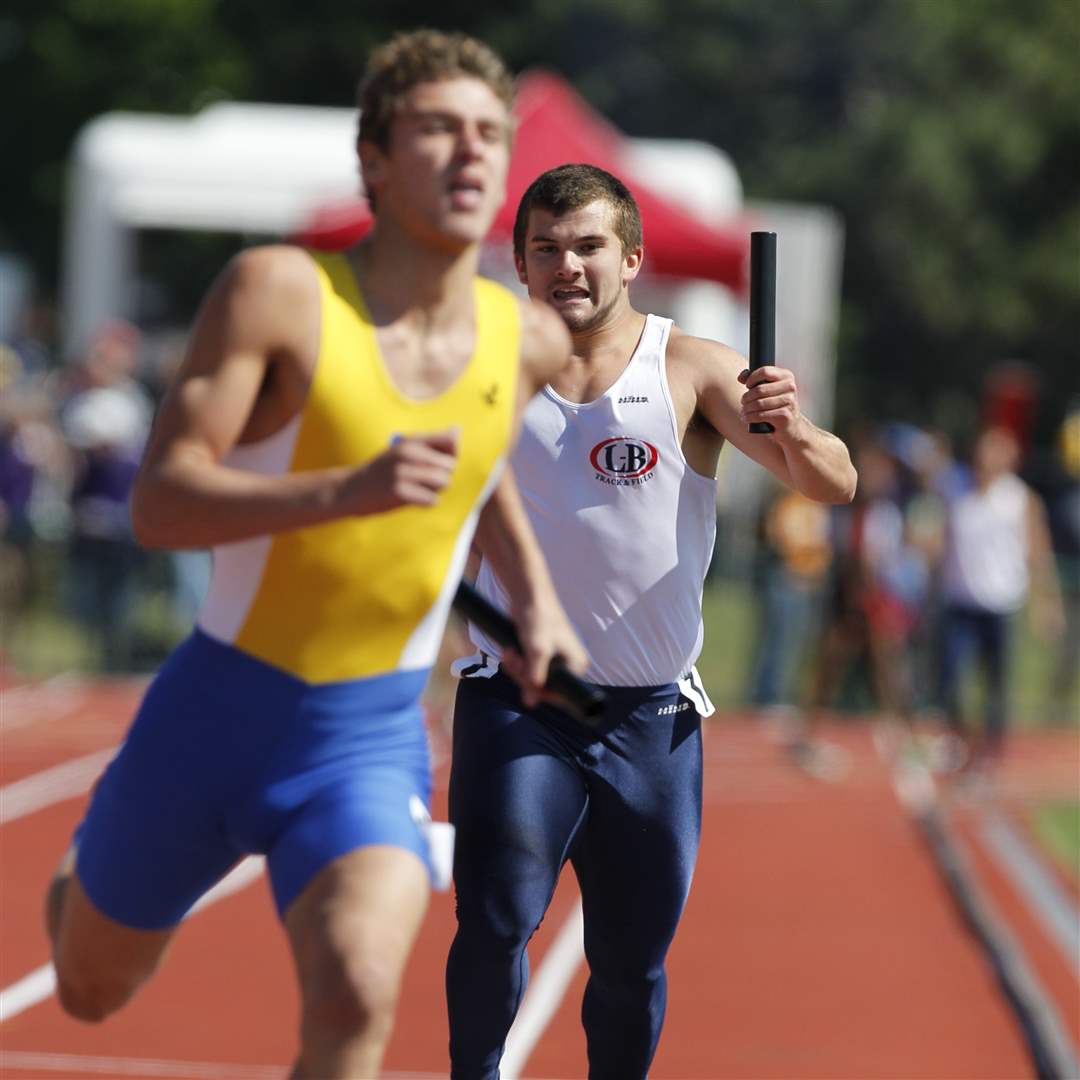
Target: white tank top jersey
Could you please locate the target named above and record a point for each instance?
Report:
(986, 561)
(626, 525)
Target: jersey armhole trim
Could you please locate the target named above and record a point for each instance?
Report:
(672, 419)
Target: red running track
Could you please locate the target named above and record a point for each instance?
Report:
(819, 940)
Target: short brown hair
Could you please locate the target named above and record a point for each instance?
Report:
(570, 187)
(421, 56)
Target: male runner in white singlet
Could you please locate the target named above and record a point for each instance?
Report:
(616, 464)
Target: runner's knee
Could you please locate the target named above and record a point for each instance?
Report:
(498, 928)
(623, 977)
(89, 997)
(348, 999)
(99, 964)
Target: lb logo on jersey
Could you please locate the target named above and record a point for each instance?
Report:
(623, 461)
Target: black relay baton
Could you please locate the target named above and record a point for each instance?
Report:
(584, 701)
(762, 309)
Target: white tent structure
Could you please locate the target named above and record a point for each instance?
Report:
(260, 169)
(231, 167)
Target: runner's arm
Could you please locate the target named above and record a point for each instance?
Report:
(506, 538)
(805, 457)
(256, 333)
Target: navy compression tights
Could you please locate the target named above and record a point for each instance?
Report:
(529, 791)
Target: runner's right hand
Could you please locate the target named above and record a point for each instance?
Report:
(412, 471)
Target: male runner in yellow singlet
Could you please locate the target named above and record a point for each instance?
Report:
(334, 435)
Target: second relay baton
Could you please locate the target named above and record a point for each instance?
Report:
(585, 702)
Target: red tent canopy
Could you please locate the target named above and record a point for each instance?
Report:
(556, 126)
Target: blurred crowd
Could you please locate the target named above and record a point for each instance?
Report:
(894, 602)
(906, 601)
(71, 439)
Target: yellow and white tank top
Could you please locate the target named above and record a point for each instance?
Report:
(367, 596)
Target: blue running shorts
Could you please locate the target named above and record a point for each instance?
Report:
(229, 756)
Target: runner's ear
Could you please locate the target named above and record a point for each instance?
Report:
(632, 261)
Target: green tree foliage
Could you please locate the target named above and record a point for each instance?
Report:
(64, 62)
(946, 132)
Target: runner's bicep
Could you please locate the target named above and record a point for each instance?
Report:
(236, 333)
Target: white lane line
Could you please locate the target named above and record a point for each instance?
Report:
(56, 698)
(1047, 1039)
(1036, 884)
(116, 1066)
(61, 782)
(29, 990)
(67, 1064)
(40, 985)
(26, 796)
(545, 993)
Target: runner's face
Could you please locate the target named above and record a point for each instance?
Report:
(443, 175)
(576, 263)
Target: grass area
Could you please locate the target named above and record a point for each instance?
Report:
(727, 657)
(1032, 669)
(1057, 827)
(45, 641)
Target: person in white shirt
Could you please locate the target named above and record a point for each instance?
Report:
(997, 553)
(616, 466)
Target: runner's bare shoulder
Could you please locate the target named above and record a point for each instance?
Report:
(251, 353)
(702, 361)
(265, 300)
(545, 343)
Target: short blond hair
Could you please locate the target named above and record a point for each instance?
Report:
(421, 56)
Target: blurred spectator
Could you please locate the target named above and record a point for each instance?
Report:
(16, 468)
(16, 489)
(34, 474)
(30, 342)
(106, 419)
(110, 363)
(878, 585)
(795, 555)
(876, 588)
(1010, 394)
(997, 552)
(933, 474)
